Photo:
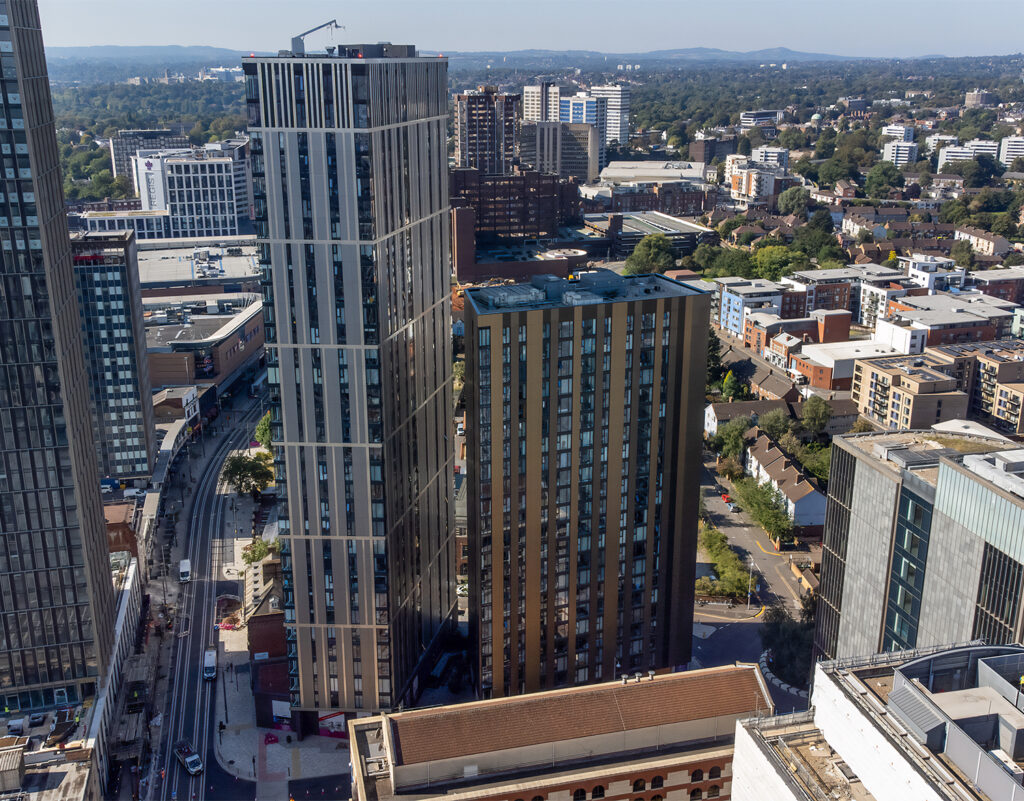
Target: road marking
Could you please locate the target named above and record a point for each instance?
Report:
(772, 552)
(760, 612)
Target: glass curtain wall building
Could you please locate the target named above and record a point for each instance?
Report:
(350, 189)
(56, 596)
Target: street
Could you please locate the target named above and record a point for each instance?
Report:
(188, 713)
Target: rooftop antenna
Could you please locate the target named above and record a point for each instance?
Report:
(299, 42)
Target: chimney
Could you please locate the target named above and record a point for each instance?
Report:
(650, 674)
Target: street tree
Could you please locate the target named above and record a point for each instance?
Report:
(262, 433)
(248, 475)
(774, 423)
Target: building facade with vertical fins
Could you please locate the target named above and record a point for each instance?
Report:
(350, 190)
(56, 597)
(583, 425)
(487, 130)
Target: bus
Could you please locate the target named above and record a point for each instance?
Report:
(210, 664)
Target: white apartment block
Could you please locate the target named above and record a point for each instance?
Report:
(541, 102)
(618, 111)
(733, 163)
(902, 133)
(899, 152)
(771, 156)
(967, 151)
(1010, 148)
(938, 141)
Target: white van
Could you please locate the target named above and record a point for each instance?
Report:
(185, 571)
(210, 664)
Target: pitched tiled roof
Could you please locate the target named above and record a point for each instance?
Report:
(783, 471)
(550, 717)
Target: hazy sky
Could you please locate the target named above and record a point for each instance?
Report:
(884, 28)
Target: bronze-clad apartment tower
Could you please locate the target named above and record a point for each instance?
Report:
(583, 425)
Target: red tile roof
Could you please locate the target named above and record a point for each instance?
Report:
(453, 731)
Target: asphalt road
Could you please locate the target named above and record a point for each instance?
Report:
(189, 712)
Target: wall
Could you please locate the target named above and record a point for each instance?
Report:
(881, 767)
(872, 511)
(755, 777)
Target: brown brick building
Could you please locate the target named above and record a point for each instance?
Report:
(651, 737)
(487, 130)
(526, 205)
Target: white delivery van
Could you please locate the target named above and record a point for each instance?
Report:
(210, 664)
(185, 571)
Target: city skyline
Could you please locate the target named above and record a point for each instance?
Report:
(451, 24)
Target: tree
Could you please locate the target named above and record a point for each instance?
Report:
(732, 388)
(794, 200)
(962, 253)
(258, 550)
(815, 414)
(714, 357)
(775, 261)
(1013, 259)
(653, 254)
(865, 235)
(262, 433)
(459, 371)
(881, 178)
(729, 439)
(821, 220)
(862, 426)
(248, 474)
(774, 423)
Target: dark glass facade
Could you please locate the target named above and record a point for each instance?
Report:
(56, 597)
(351, 201)
(907, 571)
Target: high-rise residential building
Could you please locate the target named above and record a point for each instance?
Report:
(58, 602)
(350, 184)
(114, 336)
(978, 98)
(967, 151)
(541, 102)
(1010, 148)
(901, 133)
(126, 144)
(584, 420)
(487, 130)
(566, 149)
(923, 543)
(770, 156)
(899, 152)
(591, 110)
(906, 392)
(618, 112)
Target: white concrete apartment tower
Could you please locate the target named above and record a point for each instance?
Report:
(617, 126)
(350, 191)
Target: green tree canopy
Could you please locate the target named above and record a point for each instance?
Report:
(815, 414)
(653, 254)
(774, 423)
(962, 253)
(262, 433)
(794, 200)
(248, 474)
(881, 178)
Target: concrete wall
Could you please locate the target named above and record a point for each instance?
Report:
(872, 511)
(755, 776)
(881, 767)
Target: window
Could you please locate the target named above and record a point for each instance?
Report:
(656, 783)
(579, 795)
(639, 785)
(713, 791)
(715, 773)
(697, 776)
(597, 792)
(695, 795)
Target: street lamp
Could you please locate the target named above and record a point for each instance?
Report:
(750, 581)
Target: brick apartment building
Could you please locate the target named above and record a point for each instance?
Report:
(524, 205)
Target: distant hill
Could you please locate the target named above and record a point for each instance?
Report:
(776, 54)
(168, 55)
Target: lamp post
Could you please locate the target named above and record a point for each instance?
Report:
(750, 581)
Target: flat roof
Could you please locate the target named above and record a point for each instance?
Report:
(585, 288)
(750, 286)
(654, 171)
(648, 222)
(829, 353)
(177, 264)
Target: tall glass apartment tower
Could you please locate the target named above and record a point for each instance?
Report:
(56, 597)
(350, 192)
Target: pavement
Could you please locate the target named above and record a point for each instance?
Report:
(724, 634)
(316, 765)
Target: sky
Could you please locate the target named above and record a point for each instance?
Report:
(880, 28)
